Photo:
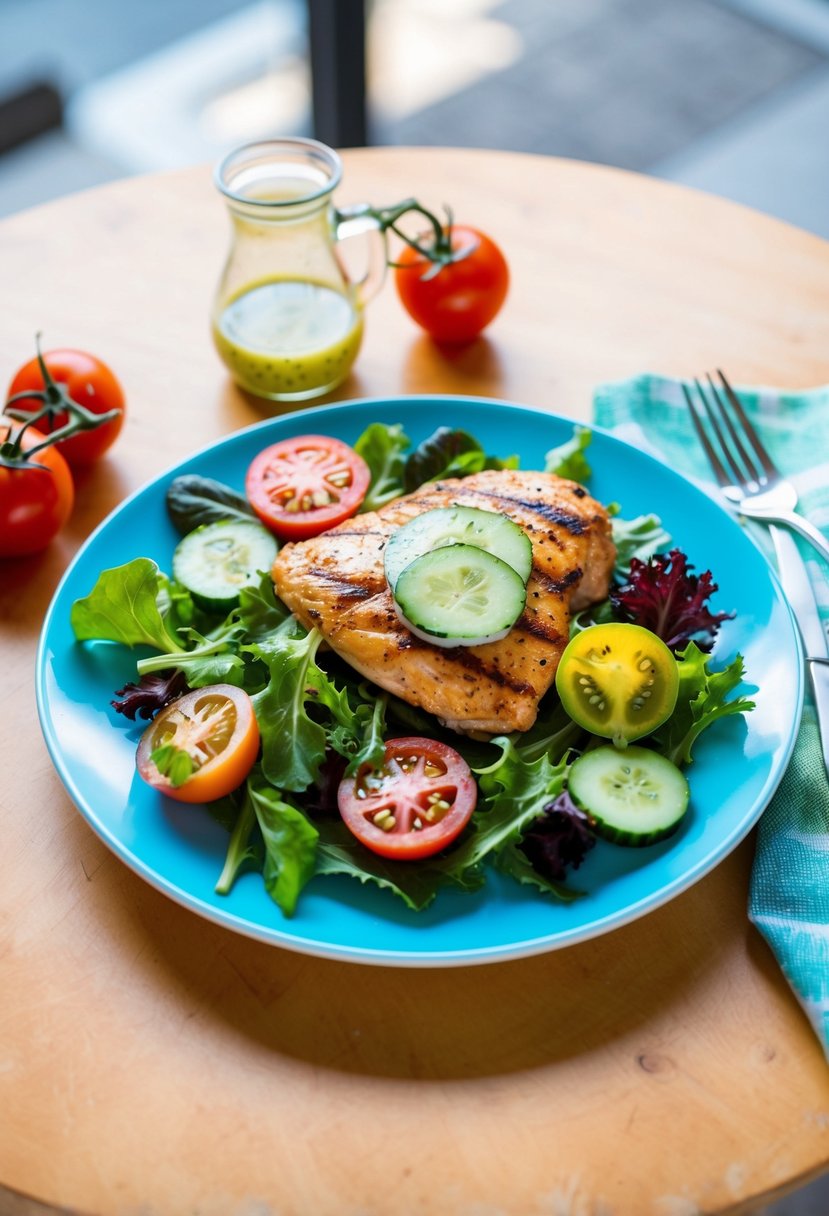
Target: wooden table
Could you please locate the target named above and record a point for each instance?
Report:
(152, 1062)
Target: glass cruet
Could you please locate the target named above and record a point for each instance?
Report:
(287, 318)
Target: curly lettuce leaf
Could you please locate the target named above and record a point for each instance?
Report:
(663, 595)
(128, 604)
(338, 852)
(512, 860)
(515, 792)
(293, 741)
(568, 459)
(702, 701)
(559, 840)
(372, 727)
(259, 611)
(293, 744)
(152, 692)
(382, 448)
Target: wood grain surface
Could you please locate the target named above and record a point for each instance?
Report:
(153, 1063)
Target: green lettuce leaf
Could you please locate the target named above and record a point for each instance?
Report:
(128, 604)
(371, 724)
(512, 861)
(568, 459)
(293, 739)
(338, 852)
(193, 500)
(293, 744)
(382, 448)
(213, 659)
(290, 845)
(553, 734)
(515, 792)
(450, 453)
(702, 700)
(641, 537)
(242, 850)
(260, 612)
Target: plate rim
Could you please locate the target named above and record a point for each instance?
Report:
(281, 936)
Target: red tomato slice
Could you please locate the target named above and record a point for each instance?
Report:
(213, 732)
(302, 487)
(416, 805)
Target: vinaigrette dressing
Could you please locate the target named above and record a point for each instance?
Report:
(289, 338)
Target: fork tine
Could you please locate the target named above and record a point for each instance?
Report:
(751, 473)
(754, 439)
(737, 473)
(713, 459)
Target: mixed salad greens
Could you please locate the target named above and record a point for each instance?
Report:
(320, 723)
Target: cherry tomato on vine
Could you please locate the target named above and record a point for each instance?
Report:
(34, 503)
(415, 805)
(458, 300)
(304, 486)
(202, 746)
(86, 380)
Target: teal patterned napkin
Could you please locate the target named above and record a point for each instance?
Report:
(789, 896)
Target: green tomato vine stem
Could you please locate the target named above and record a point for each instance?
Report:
(54, 400)
(435, 248)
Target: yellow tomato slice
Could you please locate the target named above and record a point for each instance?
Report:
(618, 681)
(201, 746)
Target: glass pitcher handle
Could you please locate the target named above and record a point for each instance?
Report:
(357, 220)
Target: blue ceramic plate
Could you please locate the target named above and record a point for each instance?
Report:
(180, 850)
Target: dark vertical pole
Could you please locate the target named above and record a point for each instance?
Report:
(30, 113)
(337, 35)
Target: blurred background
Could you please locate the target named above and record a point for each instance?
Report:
(731, 96)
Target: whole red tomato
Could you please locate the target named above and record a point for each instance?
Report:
(86, 380)
(455, 302)
(34, 503)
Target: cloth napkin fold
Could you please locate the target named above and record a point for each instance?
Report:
(789, 894)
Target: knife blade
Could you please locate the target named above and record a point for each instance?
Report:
(794, 579)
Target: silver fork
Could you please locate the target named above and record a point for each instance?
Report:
(743, 468)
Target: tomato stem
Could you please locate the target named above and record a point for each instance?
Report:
(436, 247)
(54, 400)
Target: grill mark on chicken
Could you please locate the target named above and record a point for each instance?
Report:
(556, 585)
(465, 657)
(537, 629)
(358, 532)
(346, 589)
(575, 524)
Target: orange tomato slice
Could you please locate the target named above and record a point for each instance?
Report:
(202, 746)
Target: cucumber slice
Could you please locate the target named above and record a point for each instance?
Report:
(459, 595)
(633, 796)
(489, 530)
(216, 560)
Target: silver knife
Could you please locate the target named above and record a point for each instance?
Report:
(794, 579)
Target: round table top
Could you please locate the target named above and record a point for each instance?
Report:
(152, 1061)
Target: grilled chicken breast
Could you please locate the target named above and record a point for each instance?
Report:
(336, 583)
